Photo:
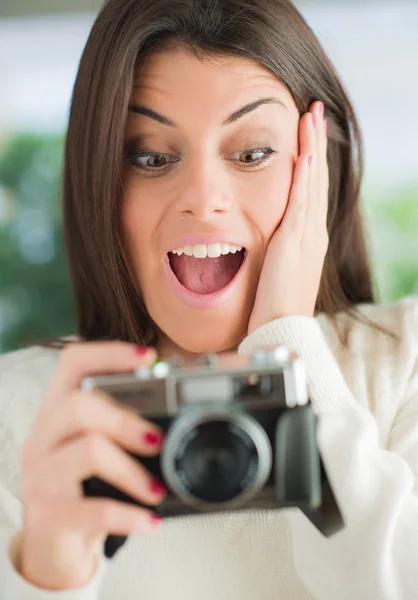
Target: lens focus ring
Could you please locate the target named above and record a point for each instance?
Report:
(200, 468)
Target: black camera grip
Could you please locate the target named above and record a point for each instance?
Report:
(91, 487)
(94, 486)
(112, 544)
(301, 476)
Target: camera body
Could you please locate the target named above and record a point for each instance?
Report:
(240, 433)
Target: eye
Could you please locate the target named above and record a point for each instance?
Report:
(157, 162)
(249, 162)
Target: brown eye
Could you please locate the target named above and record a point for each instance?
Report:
(150, 161)
(250, 158)
(156, 161)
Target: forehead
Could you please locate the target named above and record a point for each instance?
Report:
(174, 73)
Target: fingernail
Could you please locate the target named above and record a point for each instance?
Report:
(155, 519)
(152, 438)
(310, 160)
(157, 487)
(141, 351)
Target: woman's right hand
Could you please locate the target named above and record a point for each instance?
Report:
(77, 435)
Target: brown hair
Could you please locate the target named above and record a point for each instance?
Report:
(271, 32)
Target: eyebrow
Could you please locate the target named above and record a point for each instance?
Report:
(245, 110)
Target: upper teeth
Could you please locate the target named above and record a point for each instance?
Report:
(204, 250)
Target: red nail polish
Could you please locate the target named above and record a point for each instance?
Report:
(152, 438)
(141, 351)
(155, 519)
(157, 487)
(310, 160)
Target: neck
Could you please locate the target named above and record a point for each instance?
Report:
(168, 349)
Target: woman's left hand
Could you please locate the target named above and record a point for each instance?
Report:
(291, 273)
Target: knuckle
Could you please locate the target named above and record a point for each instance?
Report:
(119, 417)
(105, 514)
(127, 430)
(79, 409)
(93, 448)
(68, 357)
(129, 421)
(69, 351)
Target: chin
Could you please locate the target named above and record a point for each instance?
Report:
(222, 334)
(210, 341)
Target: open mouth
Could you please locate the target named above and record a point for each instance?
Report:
(206, 275)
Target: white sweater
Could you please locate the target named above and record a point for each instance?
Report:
(366, 399)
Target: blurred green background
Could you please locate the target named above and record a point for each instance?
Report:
(35, 297)
(374, 46)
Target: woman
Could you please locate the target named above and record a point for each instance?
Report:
(215, 127)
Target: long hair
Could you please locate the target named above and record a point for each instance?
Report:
(272, 33)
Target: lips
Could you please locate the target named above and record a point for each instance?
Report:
(204, 300)
(205, 276)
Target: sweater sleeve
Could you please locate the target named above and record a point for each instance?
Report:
(375, 554)
(15, 587)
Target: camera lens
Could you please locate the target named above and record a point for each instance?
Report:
(217, 461)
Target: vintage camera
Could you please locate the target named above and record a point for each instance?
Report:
(240, 433)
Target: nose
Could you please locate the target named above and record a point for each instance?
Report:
(205, 192)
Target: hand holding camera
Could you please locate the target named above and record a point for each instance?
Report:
(77, 435)
(121, 439)
(240, 433)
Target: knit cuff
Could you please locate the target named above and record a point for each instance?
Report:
(18, 588)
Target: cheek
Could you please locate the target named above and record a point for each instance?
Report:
(271, 200)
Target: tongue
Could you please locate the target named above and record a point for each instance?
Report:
(205, 275)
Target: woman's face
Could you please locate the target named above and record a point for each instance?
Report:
(207, 180)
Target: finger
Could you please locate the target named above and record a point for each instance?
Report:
(114, 517)
(311, 209)
(317, 110)
(326, 172)
(318, 194)
(323, 187)
(81, 359)
(322, 148)
(295, 214)
(94, 412)
(301, 195)
(61, 474)
(92, 516)
(307, 135)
